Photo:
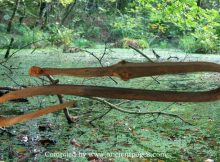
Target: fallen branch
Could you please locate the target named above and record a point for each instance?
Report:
(116, 93)
(100, 117)
(100, 60)
(9, 48)
(8, 121)
(148, 58)
(128, 70)
(4, 90)
(6, 131)
(141, 53)
(112, 106)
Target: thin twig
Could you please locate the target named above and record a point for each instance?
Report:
(6, 67)
(6, 131)
(22, 49)
(145, 56)
(104, 53)
(19, 85)
(101, 116)
(69, 118)
(100, 62)
(33, 50)
(141, 53)
(139, 113)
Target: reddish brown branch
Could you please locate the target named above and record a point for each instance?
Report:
(7, 121)
(116, 93)
(127, 70)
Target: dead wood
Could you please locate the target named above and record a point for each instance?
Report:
(116, 93)
(7, 121)
(128, 70)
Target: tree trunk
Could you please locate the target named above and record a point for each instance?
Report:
(68, 11)
(199, 3)
(12, 16)
(9, 48)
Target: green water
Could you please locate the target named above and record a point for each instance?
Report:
(117, 135)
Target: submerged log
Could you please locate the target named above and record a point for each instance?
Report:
(128, 70)
(116, 93)
(8, 121)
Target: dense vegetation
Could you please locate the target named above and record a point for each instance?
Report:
(193, 26)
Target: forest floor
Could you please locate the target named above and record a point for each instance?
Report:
(119, 136)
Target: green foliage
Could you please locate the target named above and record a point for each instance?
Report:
(60, 35)
(171, 19)
(23, 36)
(92, 33)
(129, 22)
(143, 43)
(187, 43)
(65, 2)
(206, 40)
(165, 21)
(2, 28)
(164, 44)
(127, 26)
(126, 42)
(20, 29)
(203, 40)
(28, 38)
(4, 41)
(23, 40)
(83, 43)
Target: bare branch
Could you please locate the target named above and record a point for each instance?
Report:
(8, 121)
(69, 118)
(100, 62)
(139, 113)
(129, 70)
(145, 56)
(141, 53)
(101, 116)
(116, 93)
